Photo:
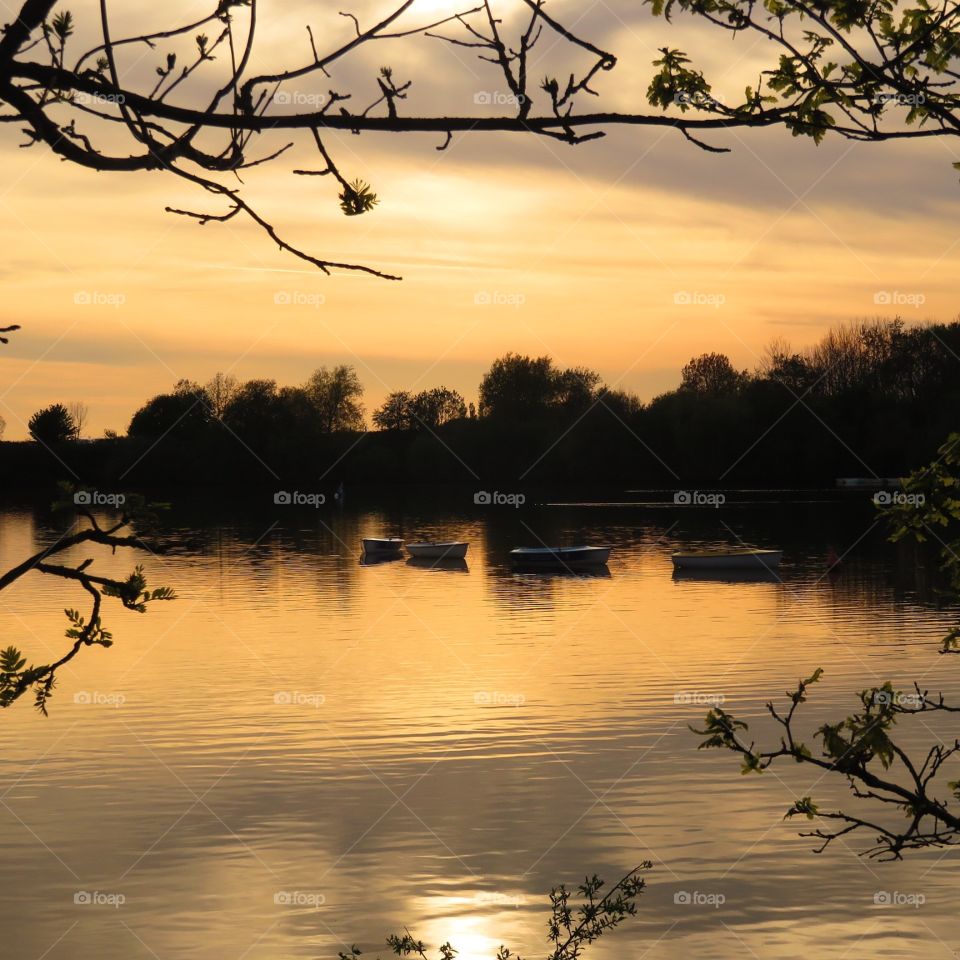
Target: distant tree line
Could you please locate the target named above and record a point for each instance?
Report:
(870, 398)
(330, 401)
(425, 410)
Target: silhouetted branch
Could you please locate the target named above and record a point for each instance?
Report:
(862, 747)
(16, 677)
(911, 64)
(572, 926)
(854, 748)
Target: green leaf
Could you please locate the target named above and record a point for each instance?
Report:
(803, 807)
(357, 198)
(63, 25)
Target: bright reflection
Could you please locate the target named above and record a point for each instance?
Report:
(466, 934)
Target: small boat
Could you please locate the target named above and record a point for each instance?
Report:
(379, 545)
(869, 483)
(453, 550)
(561, 556)
(727, 559)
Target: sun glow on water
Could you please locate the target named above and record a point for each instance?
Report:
(466, 935)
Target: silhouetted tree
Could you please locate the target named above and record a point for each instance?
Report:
(780, 364)
(575, 389)
(186, 410)
(711, 374)
(297, 416)
(253, 411)
(336, 395)
(625, 406)
(220, 390)
(394, 412)
(79, 412)
(517, 386)
(428, 409)
(52, 424)
(3, 426)
(433, 408)
(190, 388)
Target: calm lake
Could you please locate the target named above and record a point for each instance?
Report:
(302, 753)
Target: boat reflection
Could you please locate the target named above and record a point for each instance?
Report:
(375, 559)
(440, 563)
(731, 575)
(544, 571)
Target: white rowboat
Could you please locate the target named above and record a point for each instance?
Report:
(438, 551)
(869, 483)
(728, 559)
(382, 545)
(561, 556)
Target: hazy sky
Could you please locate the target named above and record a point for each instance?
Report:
(505, 243)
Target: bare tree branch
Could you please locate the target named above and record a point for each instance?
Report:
(839, 71)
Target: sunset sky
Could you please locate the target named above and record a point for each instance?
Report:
(505, 243)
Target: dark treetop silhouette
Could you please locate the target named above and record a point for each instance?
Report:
(876, 71)
(53, 424)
